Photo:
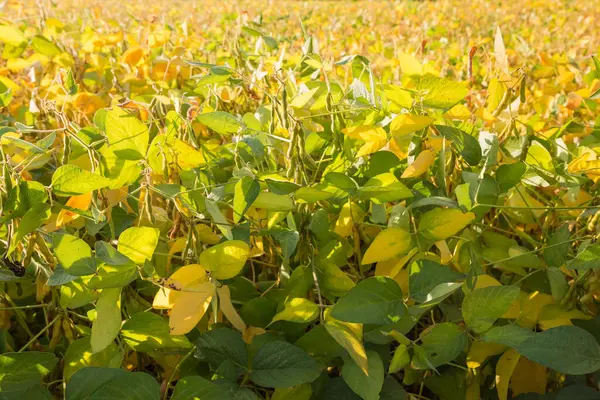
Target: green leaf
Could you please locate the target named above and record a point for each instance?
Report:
(70, 180)
(278, 364)
(146, 332)
(441, 223)
(376, 300)
(222, 344)
(109, 255)
(567, 349)
(558, 246)
(128, 137)
(118, 170)
(19, 371)
(195, 387)
(367, 387)
(429, 280)
(400, 359)
(586, 258)
(225, 260)
(298, 310)
(79, 355)
(107, 324)
(440, 92)
(220, 122)
(245, 192)
(440, 344)
(468, 147)
(509, 175)
(93, 383)
(73, 254)
(510, 335)
(274, 202)
(287, 239)
(32, 220)
(482, 307)
(138, 243)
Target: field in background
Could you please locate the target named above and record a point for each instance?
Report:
(299, 200)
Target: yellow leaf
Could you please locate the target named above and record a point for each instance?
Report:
(552, 315)
(410, 64)
(389, 243)
(349, 336)
(530, 306)
(480, 351)
(206, 235)
(404, 124)
(528, 377)
(87, 103)
(225, 260)
(374, 137)
(251, 332)
(350, 214)
(133, 55)
(504, 370)
(185, 276)
(190, 306)
(392, 267)
(176, 247)
(420, 165)
(229, 310)
(80, 202)
(298, 310)
(484, 281)
(445, 254)
(402, 279)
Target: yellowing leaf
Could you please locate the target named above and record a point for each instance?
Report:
(528, 377)
(190, 306)
(206, 235)
(349, 336)
(273, 202)
(404, 124)
(225, 260)
(351, 213)
(138, 243)
(80, 202)
(504, 370)
(298, 310)
(420, 165)
(389, 243)
(480, 351)
(374, 137)
(107, 324)
(229, 310)
(441, 223)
